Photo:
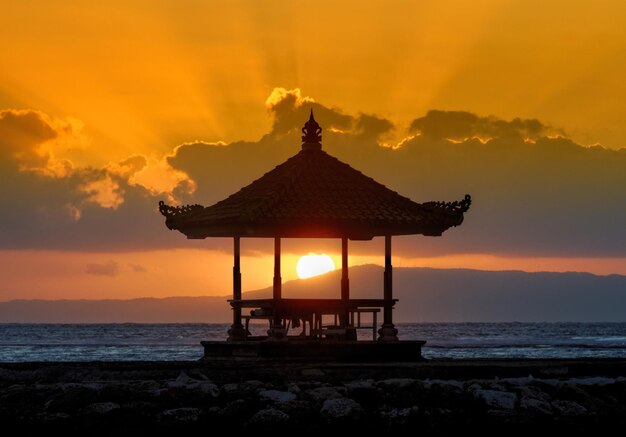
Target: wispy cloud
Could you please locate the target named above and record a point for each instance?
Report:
(110, 268)
(138, 268)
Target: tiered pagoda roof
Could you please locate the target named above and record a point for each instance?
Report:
(313, 194)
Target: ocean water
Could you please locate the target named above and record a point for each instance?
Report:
(120, 342)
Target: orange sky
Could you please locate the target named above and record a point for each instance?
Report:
(94, 97)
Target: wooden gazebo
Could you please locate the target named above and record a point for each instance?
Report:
(314, 195)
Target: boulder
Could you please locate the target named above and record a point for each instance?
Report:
(102, 407)
(497, 399)
(321, 394)
(341, 409)
(401, 392)
(294, 388)
(398, 416)
(186, 383)
(396, 383)
(568, 408)
(268, 416)
(535, 405)
(238, 409)
(277, 396)
(364, 391)
(186, 414)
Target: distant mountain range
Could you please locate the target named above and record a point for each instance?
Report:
(426, 295)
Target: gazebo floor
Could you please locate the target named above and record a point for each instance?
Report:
(314, 350)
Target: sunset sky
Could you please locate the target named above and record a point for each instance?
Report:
(108, 107)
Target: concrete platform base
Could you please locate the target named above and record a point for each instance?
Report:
(355, 351)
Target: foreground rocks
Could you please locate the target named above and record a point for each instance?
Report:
(94, 403)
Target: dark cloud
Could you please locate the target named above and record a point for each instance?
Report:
(288, 108)
(460, 125)
(534, 194)
(25, 139)
(371, 126)
(61, 207)
(110, 268)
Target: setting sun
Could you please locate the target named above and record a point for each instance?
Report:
(313, 265)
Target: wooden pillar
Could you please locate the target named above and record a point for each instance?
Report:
(277, 279)
(236, 331)
(388, 282)
(345, 281)
(388, 332)
(277, 331)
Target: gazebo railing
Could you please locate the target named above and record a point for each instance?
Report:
(312, 311)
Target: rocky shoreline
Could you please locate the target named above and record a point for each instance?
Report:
(162, 398)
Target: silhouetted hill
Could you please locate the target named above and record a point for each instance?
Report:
(426, 295)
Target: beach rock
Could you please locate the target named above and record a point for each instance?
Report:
(472, 386)
(496, 399)
(364, 392)
(568, 408)
(321, 394)
(534, 400)
(230, 389)
(181, 381)
(136, 408)
(534, 392)
(243, 389)
(71, 398)
(17, 396)
(491, 384)
(269, 416)
(401, 392)
(520, 381)
(299, 411)
(294, 388)
(118, 391)
(102, 407)
(187, 383)
(56, 417)
(277, 396)
(207, 387)
(212, 411)
(186, 414)
(147, 385)
(352, 386)
(396, 383)
(341, 409)
(535, 405)
(237, 409)
(398, 416)
(439, 384)
(7, 375)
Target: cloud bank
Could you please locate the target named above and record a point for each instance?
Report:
(49, 203)
(535, 191)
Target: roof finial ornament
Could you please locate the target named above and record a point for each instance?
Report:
(312, 138)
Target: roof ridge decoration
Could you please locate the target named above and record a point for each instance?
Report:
(312, 138)
(456, 207)
(174, 211)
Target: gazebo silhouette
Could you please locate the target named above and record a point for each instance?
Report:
(313, 195)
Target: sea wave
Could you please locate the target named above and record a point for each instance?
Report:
(129, 341)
